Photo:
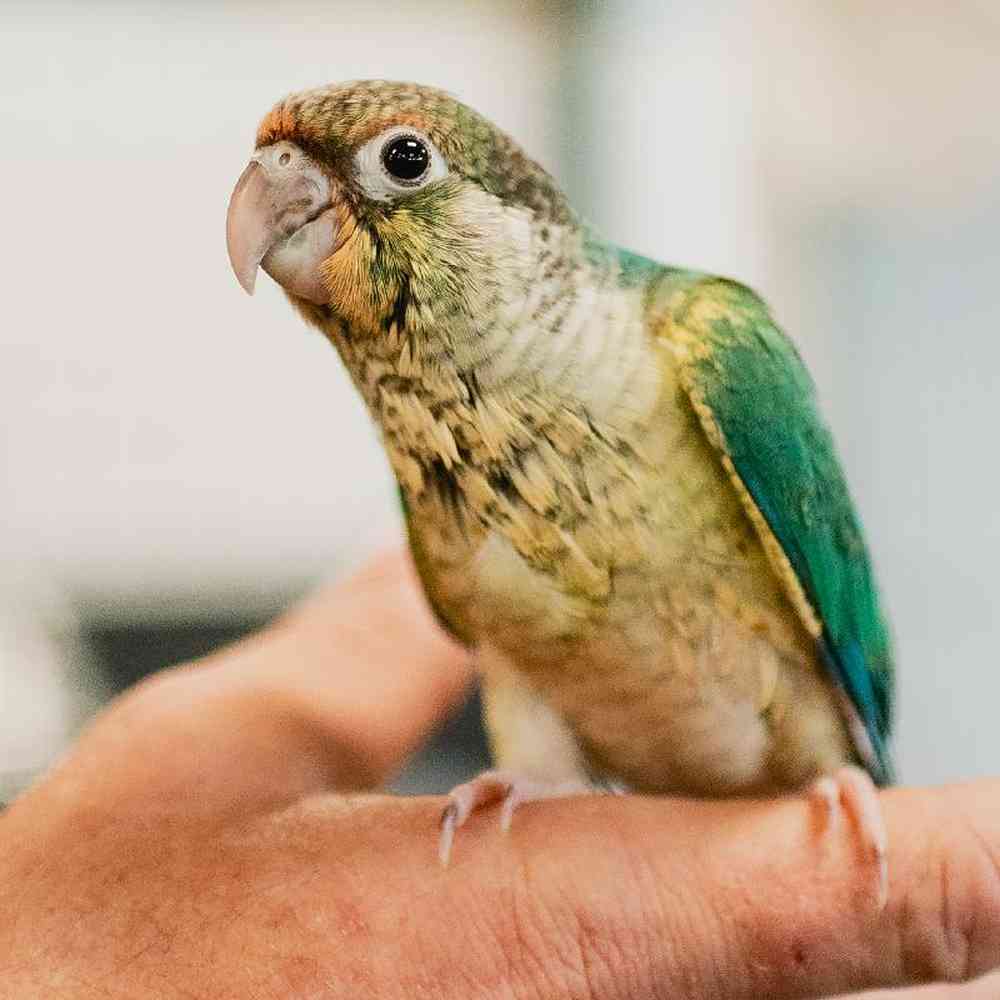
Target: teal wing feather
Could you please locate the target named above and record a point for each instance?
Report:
(758, 404)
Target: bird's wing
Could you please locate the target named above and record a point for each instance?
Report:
(757, 405)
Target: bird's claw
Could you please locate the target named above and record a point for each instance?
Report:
(513, 789)
(853, 789)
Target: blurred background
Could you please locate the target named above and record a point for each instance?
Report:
(179, 462)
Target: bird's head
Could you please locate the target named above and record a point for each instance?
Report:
(386, 202)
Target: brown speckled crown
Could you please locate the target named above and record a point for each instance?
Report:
(334, 121)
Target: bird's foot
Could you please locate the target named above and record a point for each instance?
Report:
(491, 786)
(854, 791)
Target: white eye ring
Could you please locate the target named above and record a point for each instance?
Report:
(376, 181)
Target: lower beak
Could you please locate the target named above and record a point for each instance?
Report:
(280, 216)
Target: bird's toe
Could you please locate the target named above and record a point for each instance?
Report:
(852, 790)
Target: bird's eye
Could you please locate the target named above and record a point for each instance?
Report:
(406, 158)
(398, 162)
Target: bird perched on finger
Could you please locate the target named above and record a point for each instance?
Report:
(618, 487)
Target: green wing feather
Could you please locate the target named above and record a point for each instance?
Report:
(758, 405)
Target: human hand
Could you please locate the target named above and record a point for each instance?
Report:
(206, 838)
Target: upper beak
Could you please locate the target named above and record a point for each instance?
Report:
(249, 229)
(279, 215)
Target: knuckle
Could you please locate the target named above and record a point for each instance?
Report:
(949, 920)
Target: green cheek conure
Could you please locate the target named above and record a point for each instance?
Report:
(618, 487)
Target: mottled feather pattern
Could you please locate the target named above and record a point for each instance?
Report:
(333, 122)
(616, 485)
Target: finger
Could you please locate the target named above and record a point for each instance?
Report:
(334, 695)
(987, 988)
(609, 899)
(657, 898)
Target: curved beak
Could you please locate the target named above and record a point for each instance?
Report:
(280, 216)
(249, 228)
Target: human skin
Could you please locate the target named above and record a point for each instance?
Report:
(208, 837)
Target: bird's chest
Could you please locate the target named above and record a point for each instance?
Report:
(646, 661)
(616, 573)
(546, 535)
(658, 635)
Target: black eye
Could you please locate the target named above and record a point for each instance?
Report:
(406, 158)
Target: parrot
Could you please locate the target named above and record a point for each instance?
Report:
(619, 490)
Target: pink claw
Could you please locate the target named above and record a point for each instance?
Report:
(492, 786)
(854, 790)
